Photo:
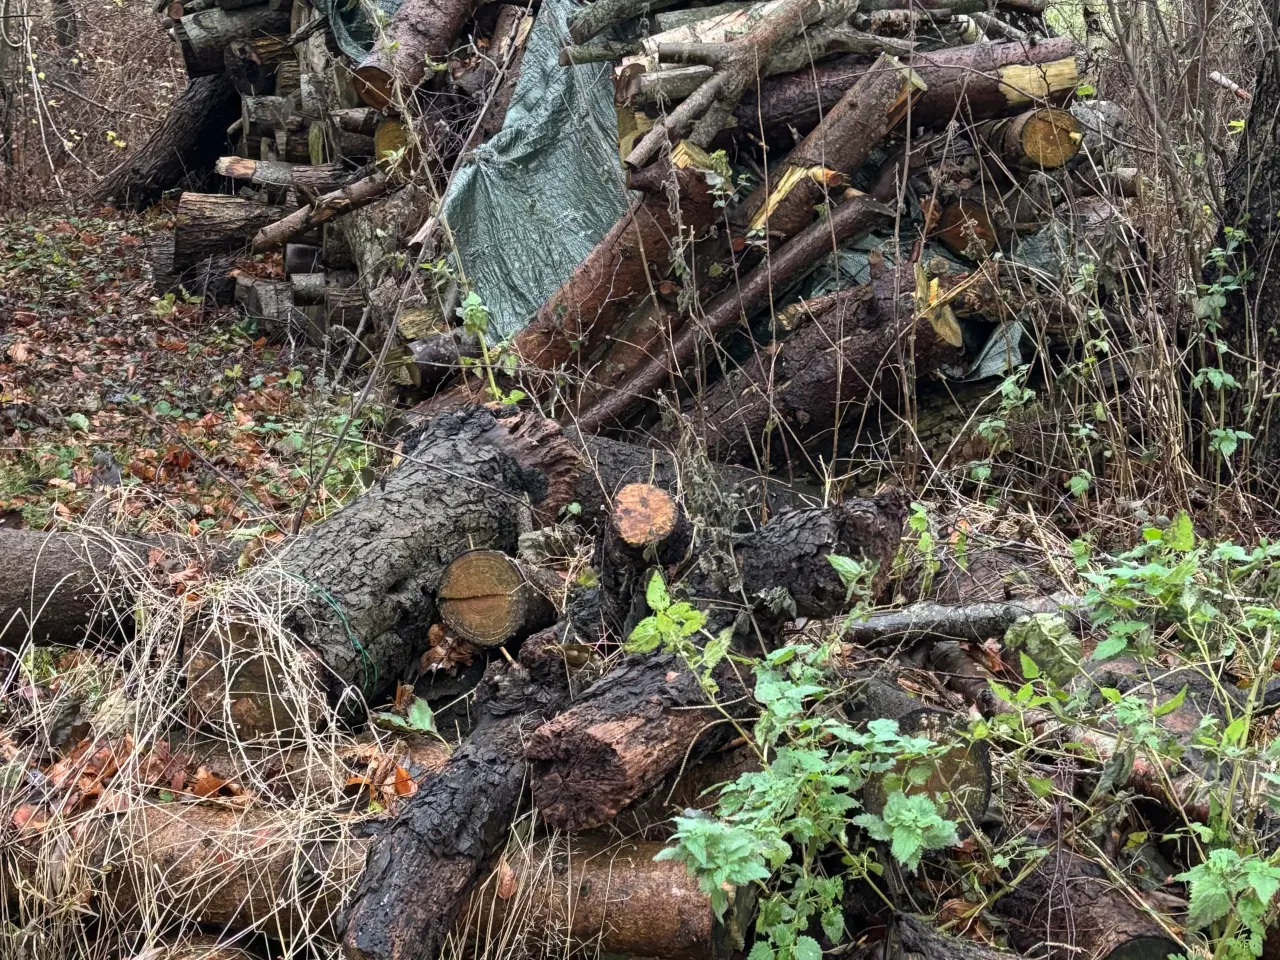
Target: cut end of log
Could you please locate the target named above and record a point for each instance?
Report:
(373, 85)
(644, 514)
(1048, 138)
(393, 147)
(482, 597)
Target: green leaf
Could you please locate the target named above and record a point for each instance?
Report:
(1172, 704)
(420, 719)
(1029, 669)
(1110, 647)
(761, 951)
(850, 571)
(716, 648)
(645, 637)
(1180, 535)
(806, 948)
(79, 421)
(656, 594)
(1039, 786)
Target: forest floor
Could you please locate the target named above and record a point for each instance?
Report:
(205, 421)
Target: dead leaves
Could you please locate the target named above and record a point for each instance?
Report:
(445, 651)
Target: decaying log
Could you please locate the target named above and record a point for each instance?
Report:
(245, 868)
(851, 346)
(186, 143)
(420, 871)
(205, 36)
(487, 597)
(1068, 907)
(912, 939)
(209, 223)
(610, 897)
(310, 181)
(636, 725)
(851, 219)
(865, 115)
(978, 82)
(323, 209)
(421, 30)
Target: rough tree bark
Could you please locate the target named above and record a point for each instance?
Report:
(420, 871)
(186, 144)
(637, 724)
(420, 30)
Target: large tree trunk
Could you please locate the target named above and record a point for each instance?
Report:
(187, 143)
(637, 724)
(420, 872)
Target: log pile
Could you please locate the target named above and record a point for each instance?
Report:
(830, 206)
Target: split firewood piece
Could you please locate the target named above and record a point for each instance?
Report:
(1042, 139)
(421, 869)
(642, 720)
(189, 140)
(851, 219)
(1068, 907)
(309, 181)
(960, 778)
(322, 210)
(210, 223)
(421, 31)
(614, 898)
(871, 109)
(487, 597)
(649, 525)
(975, 82)
(846, 350)
(205, 36)
(735, 66)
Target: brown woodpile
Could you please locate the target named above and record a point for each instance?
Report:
(835, 213)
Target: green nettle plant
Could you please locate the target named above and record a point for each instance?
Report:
(792, 827)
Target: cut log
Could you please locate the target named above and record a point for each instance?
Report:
(375, 234)
(209, 223)
(608, 897)
(965, 228)
(191, 137)
(976, 82)
(487, 598)
(267, 116)
(309, 181)
(361, 120)
(1042, 139)
(642, 720)
(852, 219)
(209, 279)
(649, 525)
(1068, 907)
(850, 350)
(305, 219)
(312, 288)
(327, 142)
(205, 36)
(421, 870)
(266, 299)
(420, 31)
(864, 116)
(460, 485)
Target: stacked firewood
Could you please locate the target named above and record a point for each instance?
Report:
(754, 139)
